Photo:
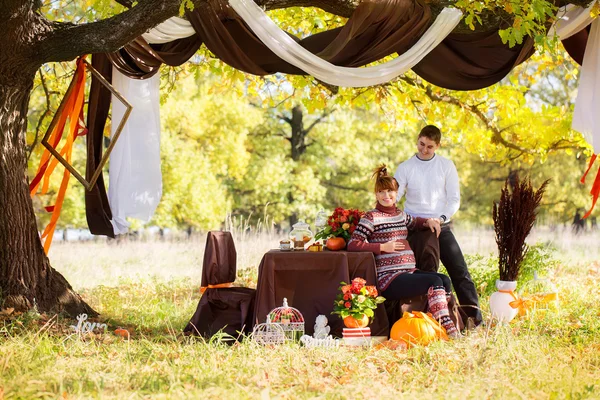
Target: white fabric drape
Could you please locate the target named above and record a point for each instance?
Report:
(172, 29)
(586, 117)
(571, 19)
(286, 48)
(135, 180)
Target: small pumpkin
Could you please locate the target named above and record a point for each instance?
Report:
(335, 243)
(351, 322)
(124, 333)
(417, 328)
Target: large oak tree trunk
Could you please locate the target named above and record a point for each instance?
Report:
(26, 277)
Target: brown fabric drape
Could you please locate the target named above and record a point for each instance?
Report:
(220, 259)
(575, 45)
(375, 30)
(472, 61)
(141, 60)
(229, 310)
(97, 209)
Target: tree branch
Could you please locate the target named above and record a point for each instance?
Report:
(316, 121)
(43, 116)
(66, 41)
(473, 109)
(286, 119)
(343, 187)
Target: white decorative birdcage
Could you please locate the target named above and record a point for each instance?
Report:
(289, 319)
(268, 334)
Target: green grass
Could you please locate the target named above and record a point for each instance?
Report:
(547, 356)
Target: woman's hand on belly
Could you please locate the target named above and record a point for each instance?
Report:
(394, 246)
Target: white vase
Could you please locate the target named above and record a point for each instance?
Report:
(500, 301)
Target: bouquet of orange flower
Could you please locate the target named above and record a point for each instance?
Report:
(341, 223)
(357, 299)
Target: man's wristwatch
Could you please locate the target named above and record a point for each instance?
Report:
(443, 218)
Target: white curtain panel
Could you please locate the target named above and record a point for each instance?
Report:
(586, 117)
(135, 180)
(287, 49)
(172, 29)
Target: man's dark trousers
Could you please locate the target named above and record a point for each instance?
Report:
(429, 250)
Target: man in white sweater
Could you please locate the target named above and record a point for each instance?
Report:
(430, 183)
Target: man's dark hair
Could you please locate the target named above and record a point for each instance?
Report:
(431, 132)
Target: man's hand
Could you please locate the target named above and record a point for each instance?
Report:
(434, 225)
(392, 247)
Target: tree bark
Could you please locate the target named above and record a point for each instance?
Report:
(26, 278)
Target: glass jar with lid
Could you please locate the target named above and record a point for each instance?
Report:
(320, 221)
(300, 235)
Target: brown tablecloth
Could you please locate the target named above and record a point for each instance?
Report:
(310, 282)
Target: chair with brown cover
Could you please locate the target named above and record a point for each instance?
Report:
(221, 307)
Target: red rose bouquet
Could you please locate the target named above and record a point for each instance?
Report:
(341, 223)
(356, 299)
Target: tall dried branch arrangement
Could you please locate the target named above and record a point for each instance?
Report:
(514, 217)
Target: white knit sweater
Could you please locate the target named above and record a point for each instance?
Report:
(431, 187)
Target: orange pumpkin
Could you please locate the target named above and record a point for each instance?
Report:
(417, 328)
(335, 243)
(351, 322)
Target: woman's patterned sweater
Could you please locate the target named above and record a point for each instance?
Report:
(382, 225)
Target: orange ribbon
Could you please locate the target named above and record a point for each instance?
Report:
(217, 286)
(73, 111)
(515, 297)
(595, 191)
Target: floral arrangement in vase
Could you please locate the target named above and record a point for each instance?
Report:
(514, 216)
(341, 224)
(355, 303)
